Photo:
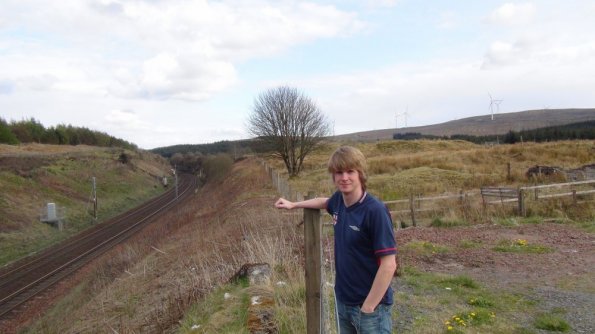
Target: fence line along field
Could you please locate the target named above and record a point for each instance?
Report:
(455, 178)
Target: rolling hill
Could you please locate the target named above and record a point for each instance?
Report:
(484, 125)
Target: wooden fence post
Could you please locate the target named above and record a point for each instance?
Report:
(522, 209)
(313, 253)
(412, 208)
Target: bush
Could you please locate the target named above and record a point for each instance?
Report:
(124, 158)
(217, 166)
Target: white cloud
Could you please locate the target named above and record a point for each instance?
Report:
(501, 53)
(381, 3)
(447, 20)
(38, 82)
(539, 52)
(168, 49)
(513, 14)
(125, 119)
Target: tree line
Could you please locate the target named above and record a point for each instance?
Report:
(574, 131)
(235, 148)
(32, 131)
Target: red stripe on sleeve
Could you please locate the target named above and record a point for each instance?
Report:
(385, 250)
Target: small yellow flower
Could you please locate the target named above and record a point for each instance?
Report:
(449, 328)
(447, 322)
(472, 314)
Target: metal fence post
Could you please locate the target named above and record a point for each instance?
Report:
(313, 253)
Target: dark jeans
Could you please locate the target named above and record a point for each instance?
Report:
(353, 321)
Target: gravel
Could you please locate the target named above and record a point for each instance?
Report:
(561, 281)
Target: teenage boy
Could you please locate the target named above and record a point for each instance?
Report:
(365, 248)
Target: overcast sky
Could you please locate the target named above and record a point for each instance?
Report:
(165, 72)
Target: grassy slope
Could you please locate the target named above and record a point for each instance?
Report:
(400, 168)
(233, 223)
(33, 175)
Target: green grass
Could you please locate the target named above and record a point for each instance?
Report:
(441, 222)
(552, 322)
(459, 281)
(588, 226)
(436, 301)
(469, 244)
(520, 246)
(290, 308)
(423, 248)
(223, 311)
(481, 301)
(516, 221)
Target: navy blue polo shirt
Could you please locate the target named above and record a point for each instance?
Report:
(363, 234)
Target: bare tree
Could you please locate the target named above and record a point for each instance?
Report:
(289, 121)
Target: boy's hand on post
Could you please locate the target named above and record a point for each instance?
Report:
(282, 203)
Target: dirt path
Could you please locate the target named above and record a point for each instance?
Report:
(563, 278)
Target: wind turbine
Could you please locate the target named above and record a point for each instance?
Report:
(405, 115)
(496, 103)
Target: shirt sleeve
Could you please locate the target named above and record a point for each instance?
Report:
(331, 203)
(381, 228)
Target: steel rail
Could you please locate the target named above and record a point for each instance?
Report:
(20, 266)
(59, 271)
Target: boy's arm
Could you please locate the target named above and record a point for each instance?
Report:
(315, 203)
(384, 276)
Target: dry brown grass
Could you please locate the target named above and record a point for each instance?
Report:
(33, 148)
(399, 168)
(150, 283)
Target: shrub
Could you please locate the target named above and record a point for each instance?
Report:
(551, 322)
(124, 158)
(217, 166)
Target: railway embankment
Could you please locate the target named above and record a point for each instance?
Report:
(33, 175)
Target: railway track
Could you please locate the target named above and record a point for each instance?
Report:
(31, 276)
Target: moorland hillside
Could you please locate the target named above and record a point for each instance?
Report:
(484, 125)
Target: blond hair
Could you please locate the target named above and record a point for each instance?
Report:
(347, 157)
